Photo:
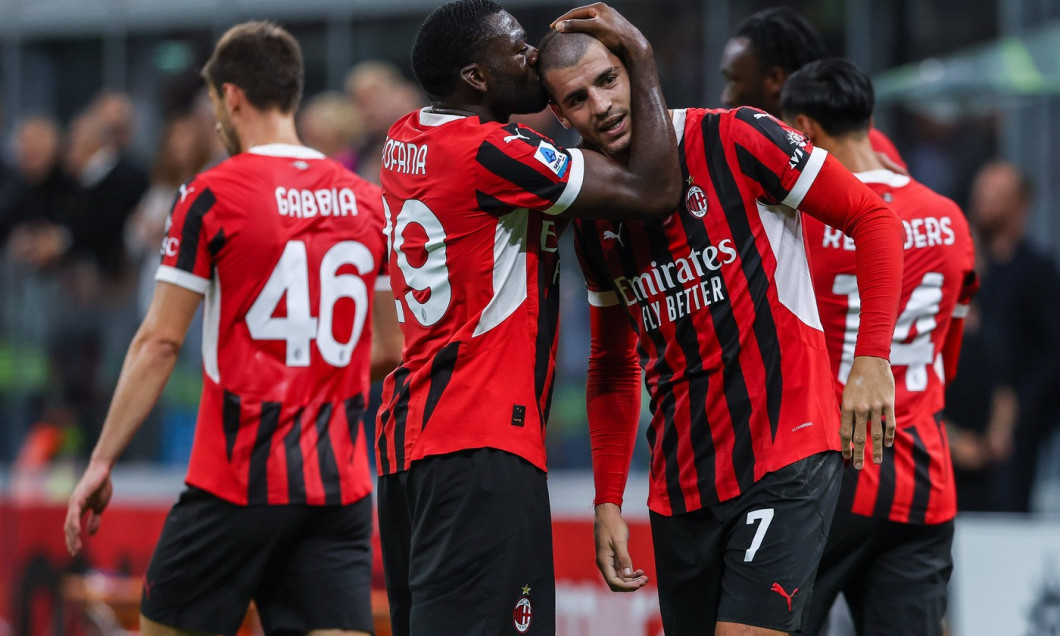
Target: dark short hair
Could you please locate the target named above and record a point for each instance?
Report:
(781, 37)
(561, 50)
(834, 92)
(449, 39)
(262, 59)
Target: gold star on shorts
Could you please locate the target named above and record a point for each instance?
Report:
(526, 590)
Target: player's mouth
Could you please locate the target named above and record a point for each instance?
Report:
(614, 127)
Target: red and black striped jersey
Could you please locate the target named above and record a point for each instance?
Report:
(915, 482)
(474, 269)
(287, 246)
(721, 298)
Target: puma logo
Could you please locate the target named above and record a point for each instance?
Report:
(787, 597)
(185, 191)
(617, 236)
(518, 135)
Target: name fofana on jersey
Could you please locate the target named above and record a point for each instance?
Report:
(305, 204)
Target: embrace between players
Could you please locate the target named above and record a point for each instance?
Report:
(701, 269)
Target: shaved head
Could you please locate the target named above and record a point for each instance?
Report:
(561, 50)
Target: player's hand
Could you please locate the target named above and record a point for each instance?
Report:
(868, 399)
(605, 24)
(612, 551)
(91, 495)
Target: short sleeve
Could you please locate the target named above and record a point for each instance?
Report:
(779, 158)
(186, 257)
(519, 168)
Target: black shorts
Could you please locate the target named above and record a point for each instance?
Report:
(467, 546)
(306, 567)
(894, 575)
(749, 560)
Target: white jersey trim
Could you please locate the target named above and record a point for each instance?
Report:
(783, 227)
(382, 283)
(286, 150)
(430, 118)
(574, 183)
(181, 278)
(509, 271)
(960, 311)
(678, 119)
(211, 330)
(806, 179)
(884, 176)
(603, 299)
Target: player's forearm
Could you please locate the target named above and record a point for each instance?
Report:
(653, 159)
(840, 200)
(147, 367)
(612, 400)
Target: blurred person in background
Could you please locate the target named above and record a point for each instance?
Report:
(116, 113)
(1018, 306)
(183, 150)
(330, 123)
(278, 503)
(889, 547)
(767, 48)
(109, 186)
(36, 222)
(382, 95)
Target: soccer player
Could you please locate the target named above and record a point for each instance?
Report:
(745, 426)
(476, 207)
(889, 547)
(767, 48)
(286, 246)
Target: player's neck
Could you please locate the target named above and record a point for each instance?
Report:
(467, 110)
(271, 127)
(856, 154)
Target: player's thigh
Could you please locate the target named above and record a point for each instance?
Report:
(688, 567)
(322, 577)
(906, 587)
(208, 561)
(777, 533)
(395, 535)
(853, 542)
(481, 546)
(149, 627)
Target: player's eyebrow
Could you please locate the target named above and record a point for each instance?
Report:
(599, 80)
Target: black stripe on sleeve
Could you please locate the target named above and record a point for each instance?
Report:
(520, 174)
(771, 129)
(753, 167)
(230, 421)
(258, 482)
(292, 446)
(921, 479)
(329, 468)
(217, 242)
(189, 235)
(441, 373)
(491, 205)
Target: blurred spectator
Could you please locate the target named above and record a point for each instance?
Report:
(183, 150)
(1017, 342)
(382, 95)
(116, 113)
(38, 214)
(329, 123)
(109, 187)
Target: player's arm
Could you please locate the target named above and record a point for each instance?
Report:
(837, 198)
(650, 187)
(386, 335)
(612, 399)
(148, 365)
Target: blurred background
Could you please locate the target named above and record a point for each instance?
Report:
(103, 116)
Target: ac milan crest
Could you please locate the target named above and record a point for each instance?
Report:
(523, 613)
(696, 202)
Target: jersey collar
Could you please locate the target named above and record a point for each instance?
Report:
(883, 176)
(430, 118)
(286, 150)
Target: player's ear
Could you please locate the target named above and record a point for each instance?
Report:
(809, 126)
(475, 77)
(563, 121)
(232, 96)
(773, 82)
